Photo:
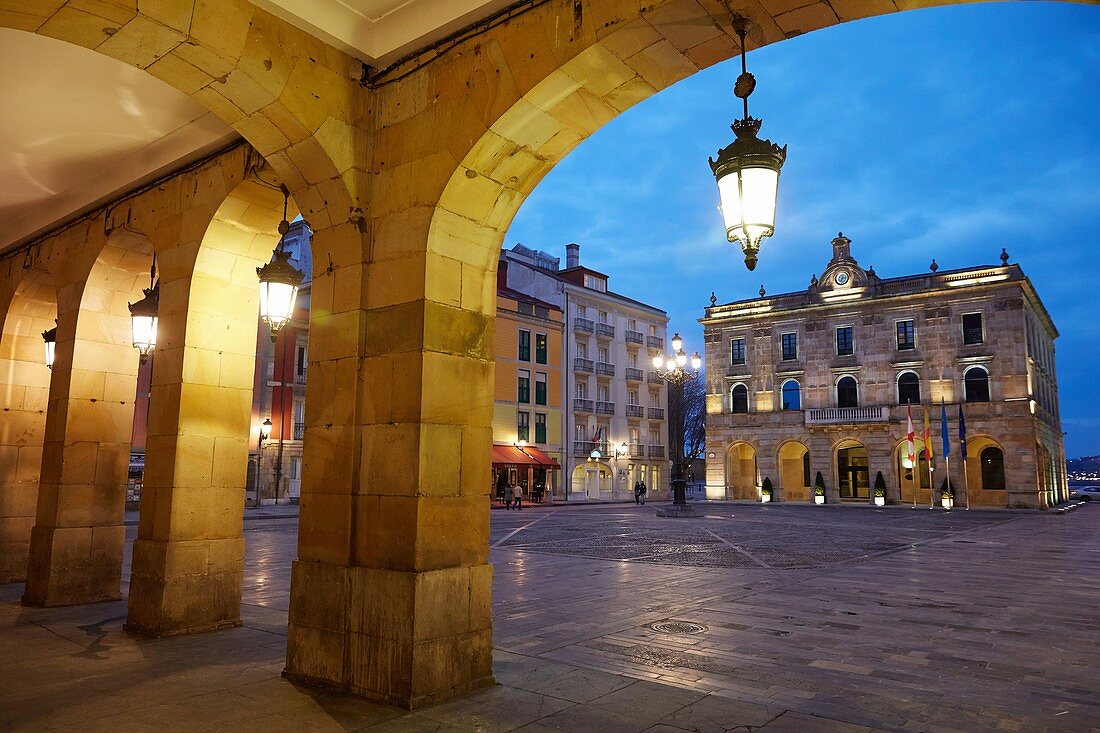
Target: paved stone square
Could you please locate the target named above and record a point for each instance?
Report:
(772, 618)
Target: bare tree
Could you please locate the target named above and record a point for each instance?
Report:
(687, 411)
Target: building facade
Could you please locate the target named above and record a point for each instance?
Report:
(615, 429)
(824, 381)
(527, 400)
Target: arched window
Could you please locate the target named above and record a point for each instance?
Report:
(846, 393)
(993, 468)
(908, 389)
(739, 398)
(976, 384)
(792, 395)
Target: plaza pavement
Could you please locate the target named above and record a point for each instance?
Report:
(751, 618)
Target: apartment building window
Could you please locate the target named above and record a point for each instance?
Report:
(540, 348)
(595, 283)
(601, 354)
(737, 351)
(844, 344)
(540, 427)
(603, 316)
(582, 350)
(523, 390)
(580, 433)
(790, 346)
(654, 399)
(540, 388)
(907, 336)
(972, 328)
(632, 360)
(847, 393)
(739, 399)
(632, 397)
(582, 311)
(300, 365)
(635, 436)
(632, 324)
(582, 390)
(524, 345)
(908, 388)
(603, 393)
(523, 426)
(792, 395)
(976, 384)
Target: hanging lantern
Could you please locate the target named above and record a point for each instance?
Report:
(143, 317)
(747, 172)
(50, 339)
(279, 281)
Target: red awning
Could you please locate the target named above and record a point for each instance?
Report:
(510, 455)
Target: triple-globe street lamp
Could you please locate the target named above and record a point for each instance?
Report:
(673, 368)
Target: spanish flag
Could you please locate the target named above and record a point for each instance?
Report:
(927, 435)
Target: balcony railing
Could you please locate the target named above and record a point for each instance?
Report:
(583, 365)
(634, 337)
(299, 430)
(585, 447)
(656, 451)
(654, 378)
(655, 342)
(637, 450)
(583, 405)
(606, 330)
(841, 415)
(635, 411)
(607, 370)
(300, 377)
(583, 324)
(605, 408)
(656, 413)
(634, 375)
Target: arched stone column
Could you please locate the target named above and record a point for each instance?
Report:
(29, 305)
(77, 540)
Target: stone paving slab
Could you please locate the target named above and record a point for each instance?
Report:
(813, 621)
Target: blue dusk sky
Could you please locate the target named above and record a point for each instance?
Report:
(946, 133)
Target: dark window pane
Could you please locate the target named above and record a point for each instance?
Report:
(540, 348)
(540, 393)
(972, 328)
(524, 345)
(846, 393)
(792, 396)
(737, 351)
(790, 346)
(844, 346)
(908, 389)
(976, 385)
(523, 426)
(906, 336)
(540, 427)
(993, 469)
(740, 399)
(523, 392)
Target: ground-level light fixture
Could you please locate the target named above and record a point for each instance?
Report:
(143, 316)
(747, 171)
(674, 369)
(265, 430)
(279, 281)
(49, 338)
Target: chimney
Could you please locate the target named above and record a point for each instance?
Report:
(572, 255)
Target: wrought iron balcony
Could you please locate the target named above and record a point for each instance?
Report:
(655, 342)
(300, 377)
(585, 447)
(847, 415)
(605, 408)
(635, 411)
(583, 324)
(583, 365)
(583, 405)
(605, 330)
(634, 337)
(634, 375)
(637, 450)
(654, 378)
(656, 413)
(299, 430)
(656, 451)
(605, 369)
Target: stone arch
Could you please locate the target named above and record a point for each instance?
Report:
(795, 471)
(742, 475)
(739, 398)
(980, 494)
(851, 466)
(592, 480)
(915, 479)
(28, 307)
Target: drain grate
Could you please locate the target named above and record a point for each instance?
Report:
(677, 627)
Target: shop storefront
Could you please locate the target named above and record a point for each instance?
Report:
(530, 468)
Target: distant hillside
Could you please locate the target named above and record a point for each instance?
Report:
(1087, 467)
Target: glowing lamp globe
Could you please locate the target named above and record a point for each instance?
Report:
(279, 283)
(143, 322)
(49, 338)
(677, 342)
(696, 361)
(658, 361)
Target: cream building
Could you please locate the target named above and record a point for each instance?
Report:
(615, 425)
(821, 381)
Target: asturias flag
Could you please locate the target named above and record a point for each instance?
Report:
(962, 432)
(943, 430)
(910, 437)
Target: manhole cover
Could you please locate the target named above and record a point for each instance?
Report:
(677, 627)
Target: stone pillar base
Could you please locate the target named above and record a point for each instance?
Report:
(68, 566)
(185, 587)
(402, 638)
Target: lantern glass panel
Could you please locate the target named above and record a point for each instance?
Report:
(51, 347)
(145, 333)
(277, 303)
(748, 203)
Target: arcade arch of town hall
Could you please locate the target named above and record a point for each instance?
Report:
(409, 184)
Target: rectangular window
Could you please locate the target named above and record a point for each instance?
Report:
(737, 351)
(582, 390)
(540, 388)
(972, 328)
(580, 432)
(527, 309)
(790, 346)
(523, 388)
(601, 354)
(540, 348)
(632, 360)
(844, 345)
(603, 393)
(603, 316)
(523, 426)
(582, 350)
(632, 397)
(907, 336)
(632, 324)
(301, 370)
(540, 427)
(524, 345)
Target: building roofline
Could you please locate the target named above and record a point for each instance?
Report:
(521, 297)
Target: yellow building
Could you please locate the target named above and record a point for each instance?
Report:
(527, 414)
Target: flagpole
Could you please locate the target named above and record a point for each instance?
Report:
(931, 483)
(947, 460)
(966, 485)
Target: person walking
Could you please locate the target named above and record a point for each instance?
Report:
(641, 485)
(517, 496)
(637, 492)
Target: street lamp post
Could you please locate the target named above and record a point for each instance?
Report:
(674, 369)
(265, 433)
